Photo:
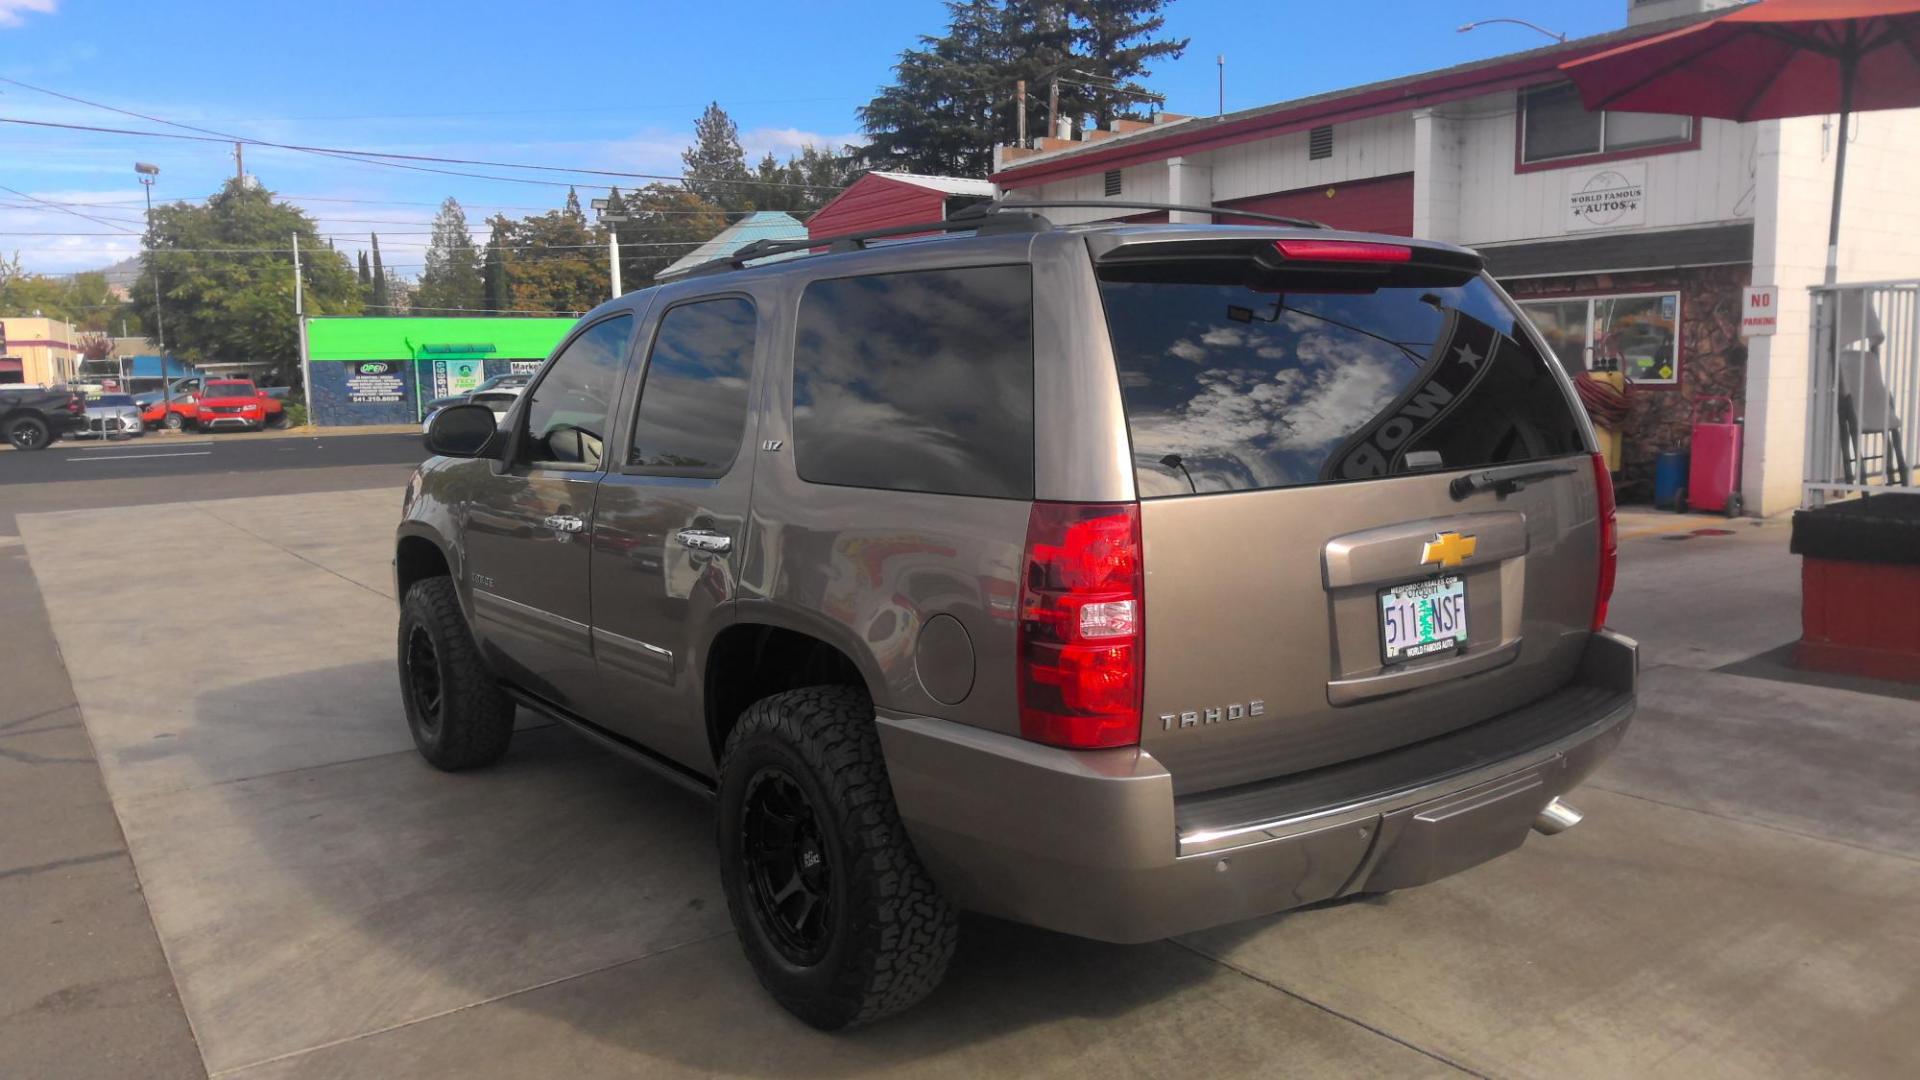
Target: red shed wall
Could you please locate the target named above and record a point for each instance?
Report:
(875, 202)
(1382, 205)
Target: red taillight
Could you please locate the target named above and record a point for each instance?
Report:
(1609, 540)
(1081, 611)
(1352, 251)
(75, 405)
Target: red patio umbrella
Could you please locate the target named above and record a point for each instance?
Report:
(1773, 59)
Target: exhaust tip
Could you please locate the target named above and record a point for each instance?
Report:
(1555, 818)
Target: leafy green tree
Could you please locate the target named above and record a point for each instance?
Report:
(83, 299)
(953, 96)
(715, 164)
(378, 290)
(225, 272)
(451, 280)
(664, 222)
(554, 261)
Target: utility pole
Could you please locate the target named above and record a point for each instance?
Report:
(1053, 107)
(239, 163)
(147, 174)
(1020, 111)
(1221, 60)
(300, 327)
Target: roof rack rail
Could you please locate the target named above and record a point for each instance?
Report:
(1015, 220)
(1122, 204)
(996, 216)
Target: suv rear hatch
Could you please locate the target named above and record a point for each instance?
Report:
(1369, 510)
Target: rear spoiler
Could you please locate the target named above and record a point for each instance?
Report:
(1280, 249)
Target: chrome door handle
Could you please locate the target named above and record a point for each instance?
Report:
(705, 540)
(566, 523)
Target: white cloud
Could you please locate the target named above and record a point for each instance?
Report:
(12, 12)
(25, 225)
(782, 142)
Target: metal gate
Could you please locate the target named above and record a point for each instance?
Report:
(1863, 390)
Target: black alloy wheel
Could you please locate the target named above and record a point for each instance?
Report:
(789, 868)
(423, 680)
(458, 714)
(28, 433)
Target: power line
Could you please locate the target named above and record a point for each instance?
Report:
(372, 156)
(66, 210)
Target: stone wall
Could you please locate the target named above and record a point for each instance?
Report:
(1713, 358)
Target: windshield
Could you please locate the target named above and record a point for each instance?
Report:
(230, 389)
(1289, 381)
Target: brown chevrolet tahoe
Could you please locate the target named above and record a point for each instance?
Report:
(1123, 580)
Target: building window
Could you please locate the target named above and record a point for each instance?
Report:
(1112, 180)
(1637, 333)
(1554, 124)
(1320, 143)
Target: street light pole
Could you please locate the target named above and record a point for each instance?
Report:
(147, 174)
(1561, 38)
(613, 242)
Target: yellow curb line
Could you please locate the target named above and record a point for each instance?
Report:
(1701, 523)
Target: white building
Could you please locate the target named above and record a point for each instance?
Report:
(1629, 237)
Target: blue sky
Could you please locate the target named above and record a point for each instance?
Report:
(588, 84)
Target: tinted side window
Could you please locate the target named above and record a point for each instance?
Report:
(1233, 387)
(567, 416)
(693, 405)
(917, 382)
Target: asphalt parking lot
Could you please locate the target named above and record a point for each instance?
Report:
(1740, 901)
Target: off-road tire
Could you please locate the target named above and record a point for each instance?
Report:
(29, 433)
(470, 721)
(891, 933)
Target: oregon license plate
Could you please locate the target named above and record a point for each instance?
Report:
(1423, 618)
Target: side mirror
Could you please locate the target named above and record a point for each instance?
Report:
(466, 431)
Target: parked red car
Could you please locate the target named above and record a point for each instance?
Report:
(238, 403)
(174, 415)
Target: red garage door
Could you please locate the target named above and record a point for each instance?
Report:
(1383, 205)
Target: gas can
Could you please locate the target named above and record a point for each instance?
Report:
(1713, 475)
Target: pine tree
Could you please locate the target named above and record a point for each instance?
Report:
(715, 163)
(1116, 42)
(451, 280)
(952, 100)
(493, 274)
(366, 277)
(378, 294)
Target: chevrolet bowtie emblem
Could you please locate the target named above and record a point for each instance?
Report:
(1449, 549)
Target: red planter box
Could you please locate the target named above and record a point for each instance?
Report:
(1860, 618)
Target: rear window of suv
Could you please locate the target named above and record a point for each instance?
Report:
(1288, 381)
(919, 381)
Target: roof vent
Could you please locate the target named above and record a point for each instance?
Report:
(1112, 182)
(1320, 143)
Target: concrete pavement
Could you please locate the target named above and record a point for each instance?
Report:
(1739, 901)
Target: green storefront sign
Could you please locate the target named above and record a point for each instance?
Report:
(384, 370)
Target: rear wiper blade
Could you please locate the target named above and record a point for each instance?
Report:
(1507, 479)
